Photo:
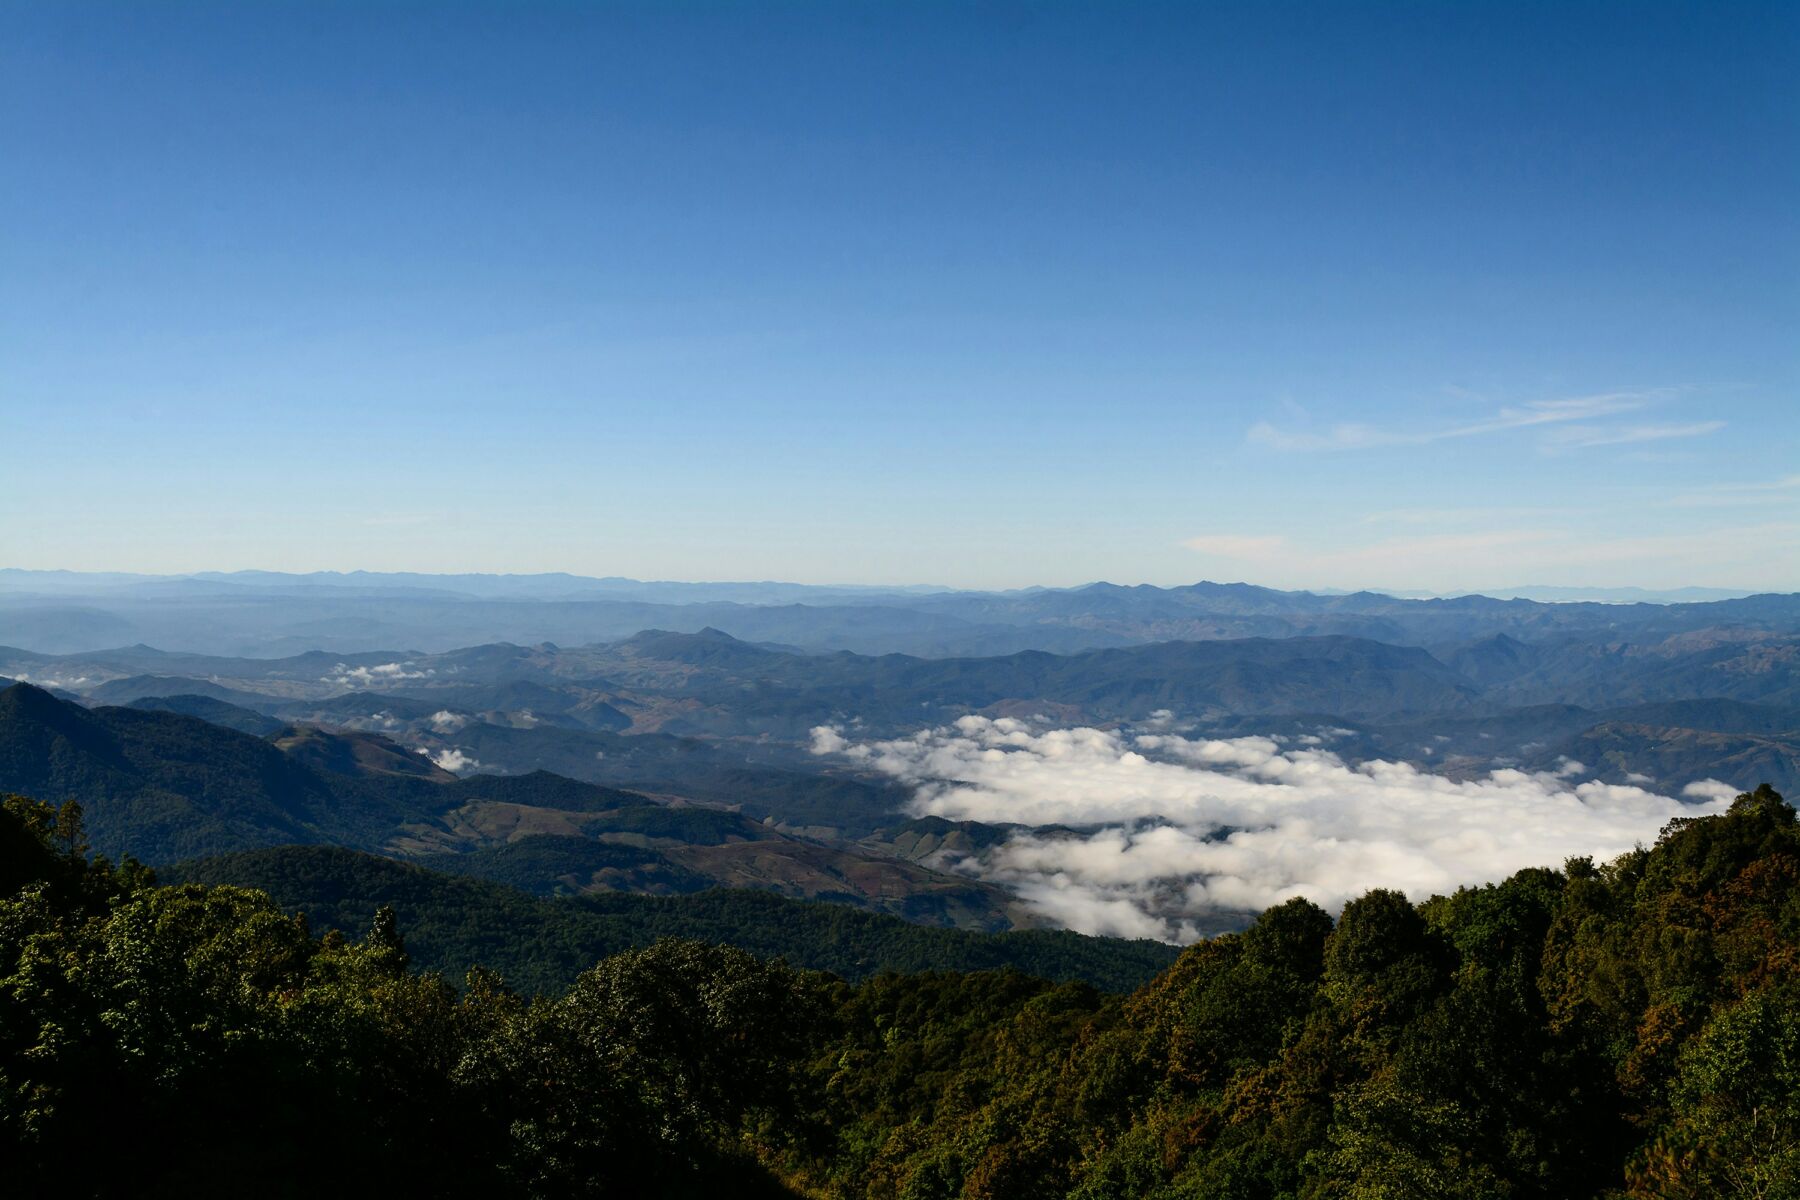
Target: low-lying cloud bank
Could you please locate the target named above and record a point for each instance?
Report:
(453, 760)
(1160, 830)
(366, 677)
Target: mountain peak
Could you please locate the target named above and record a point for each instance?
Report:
(30, 701)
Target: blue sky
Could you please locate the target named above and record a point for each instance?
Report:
(1419, 296)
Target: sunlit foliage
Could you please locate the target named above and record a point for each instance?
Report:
(1629, 1030)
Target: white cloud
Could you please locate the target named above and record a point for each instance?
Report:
(1578, 437)
(445, 721)
(453, 760)
(1782, 491)
(1167, 829)
(826, 740)
(1541, 412)
(393, 672)
(1449, 514)
(51, 681)
(1710, 789)
(1160, 721)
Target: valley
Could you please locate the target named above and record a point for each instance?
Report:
(668, 763)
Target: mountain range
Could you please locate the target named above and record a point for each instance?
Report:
(717, 719)
(268, 614)
(163, 786)
(670, 762)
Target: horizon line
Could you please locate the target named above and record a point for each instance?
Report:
(1398, 593)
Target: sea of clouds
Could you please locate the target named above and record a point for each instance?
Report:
(1147, 833)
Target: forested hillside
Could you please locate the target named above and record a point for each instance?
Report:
(1624, 1029)
(164, 786)
(541, 945)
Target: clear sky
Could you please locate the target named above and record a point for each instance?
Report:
(1433, 295)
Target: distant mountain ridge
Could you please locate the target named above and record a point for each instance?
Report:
(163, 785)
(716, 719)
(565, 585)
(268, 615)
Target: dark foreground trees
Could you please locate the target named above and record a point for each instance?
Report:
(1628, 1029)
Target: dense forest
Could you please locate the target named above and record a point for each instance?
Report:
(1626, 1029)
(540, 944)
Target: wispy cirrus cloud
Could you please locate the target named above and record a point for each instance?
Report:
(1785, 490)
(1450, 515)
(1579, 437)
(1525, 416)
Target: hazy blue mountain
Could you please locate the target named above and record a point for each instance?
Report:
(356, 755)
(1667, 758)
(1621, 595)
(1487, 737)
(213, 711)
(1759, 668)
(162, 785)
(64, 628)
(515, 708)
(276, 625)
(137, 687)
(785, 694)
(1496, 660)
(272, 615)
(1716, 715)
